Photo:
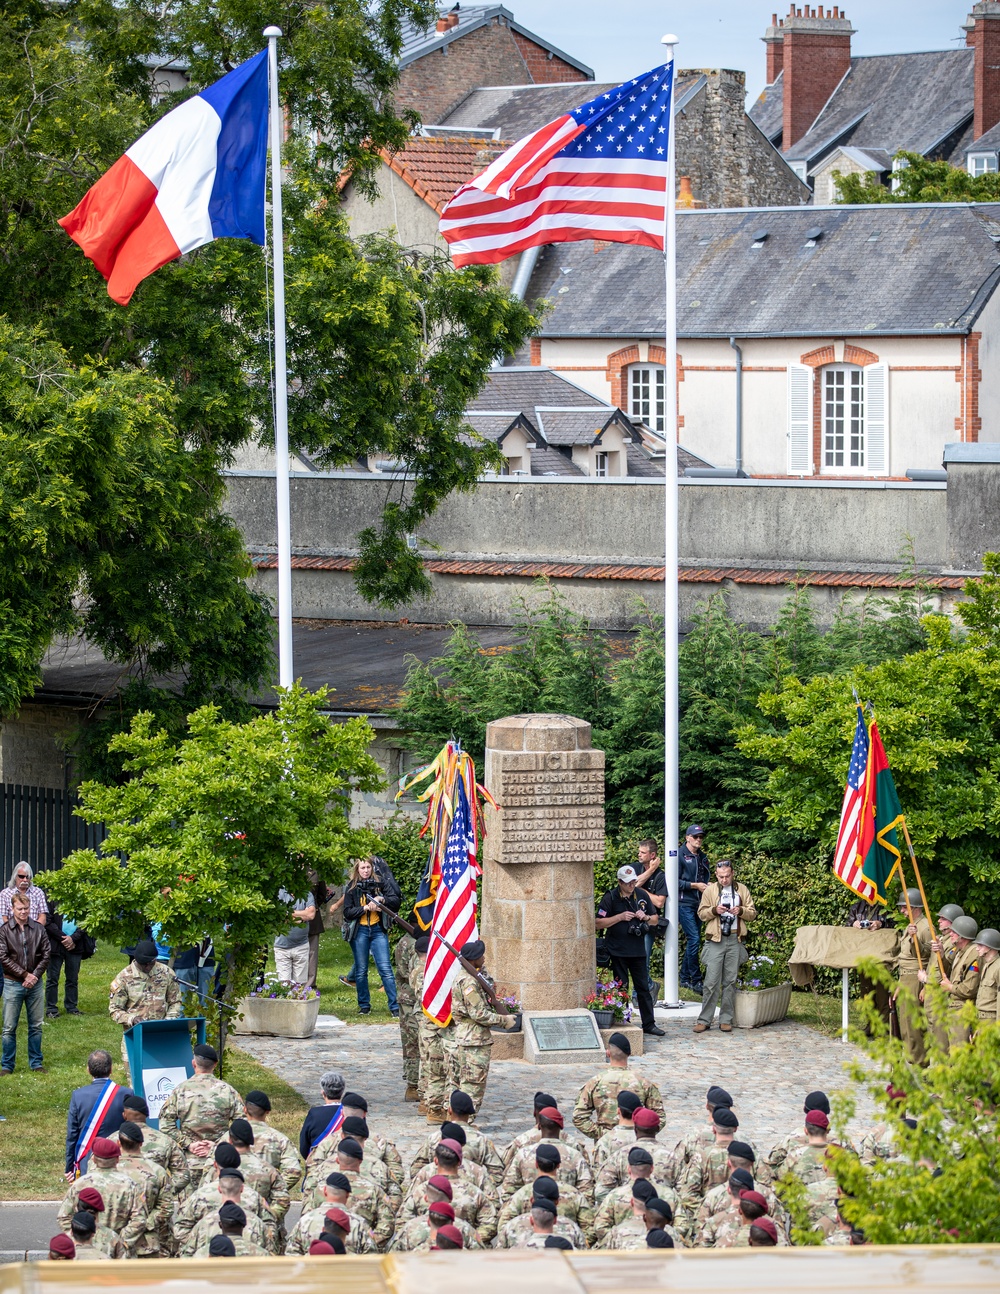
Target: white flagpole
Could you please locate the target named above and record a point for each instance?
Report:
(671, 619)
(286, 673)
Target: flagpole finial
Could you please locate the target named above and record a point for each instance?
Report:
(670, 40)
(272, 31)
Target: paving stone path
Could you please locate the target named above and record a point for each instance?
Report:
(768, 1071)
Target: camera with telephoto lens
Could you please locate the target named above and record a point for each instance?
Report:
(727, 921)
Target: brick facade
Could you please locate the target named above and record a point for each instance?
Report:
(817, 53)
(439, 81)
(969, 423)
(986, 76)
(544, 66)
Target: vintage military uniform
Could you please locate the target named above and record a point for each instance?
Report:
(614, 1170)
(409, 1008)
(124, 1205)
(478, 1149)
(469, 1044)
(596, 1109)
(519, 1234)
(911, 1017)
(468, 1201)
(200, 1109)
(311, 1225)
(415, 1236)
(433, 1085)
(616, 1207)
(572, 1204)
(988, 994)
(277, 1150)
(964, 978)
(137, 996)
(573, 1169)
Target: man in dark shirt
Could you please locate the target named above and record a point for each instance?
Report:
(652, 880)
(624, 913)
(81, 1107)
(320, 1120)
(694, 876)
(869, 916)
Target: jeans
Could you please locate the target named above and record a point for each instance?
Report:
(690, 970)
(14, 994)
(72, 986)
(373, 940)
(197, 979)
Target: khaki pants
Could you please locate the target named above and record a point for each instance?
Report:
(912, 1021)
(722, 961)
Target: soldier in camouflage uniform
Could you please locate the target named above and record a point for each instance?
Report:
(357, 1235)
(377, 1146)
(478, 1147)
(468, 1201)
(271, 1144)
(232, 1222)
(573, 1167)
(542, 1101)
(724, 1198)
(617, 1206)
(324, 1160)
(596, 1109)
(615, 1169)
(621, 1135)
(111, 1192)
(83, 1233)
(154, 1183)
(709, 1166)
(703, 1134)
(419, 1234)
(409, 1012)
(880, 1142)
(573, 1203)
(769, 1169)
(368, 1201)
(199, 1111)
(156, 1145)
(808, 1162)
(731, 1230)
(353, 1159)
(468, 1046)
(649, 1213)
(822, 1199)
(468, 1171)
(530, 1230)
(210, 1225)
(258, 1175)
(144, 990)
(433, 1082)
(226, 1183)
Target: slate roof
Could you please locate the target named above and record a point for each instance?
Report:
(570, 427)
(435, 167)
(918, 102)
(880, 269)
(550, 462)
(419, 41)
(493, 425)
(524, 388)
(990, 142)
(517, 110)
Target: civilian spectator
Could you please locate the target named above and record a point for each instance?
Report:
(319, 1122)
(694, 876)
(24, 954)
(316, 927)
(725, 909)
(652, 880)
(82, 1104)
(371, 887)
(68, 947)
(623, 914)
(291, 950)
(20, 883)
(195, 969)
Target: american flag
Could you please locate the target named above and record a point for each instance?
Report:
(454, 910)
(598, 172)
(847, 860)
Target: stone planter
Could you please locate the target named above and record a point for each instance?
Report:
(762, 1006)
(605, 1019)
(279, 1017)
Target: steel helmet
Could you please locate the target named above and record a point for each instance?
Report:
(914, 898)
(989, 938)
(950, 911)
(965, 927)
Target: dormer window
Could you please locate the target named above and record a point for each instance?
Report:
(982, 163)
(601, 463)
(646, 397)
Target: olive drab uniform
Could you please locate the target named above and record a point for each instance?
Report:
(988, 995)
(468, 1046)
(137, 996)
(596, 1109)
(201, 1108)
(409, 1010)
(433, 1079)
(964, 979)
(910, 1014)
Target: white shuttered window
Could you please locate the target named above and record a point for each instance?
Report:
(877, 419)
(800, 428)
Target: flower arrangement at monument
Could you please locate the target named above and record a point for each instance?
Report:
(610, 998)
(759, 972)
(763, 991)
(273, 989)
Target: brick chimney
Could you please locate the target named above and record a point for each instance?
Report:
(985, 19)
(817, 53)
(774, 39)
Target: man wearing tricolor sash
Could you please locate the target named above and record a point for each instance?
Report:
(94, 1111)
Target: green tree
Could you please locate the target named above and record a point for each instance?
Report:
(212, 827)
(919, 180)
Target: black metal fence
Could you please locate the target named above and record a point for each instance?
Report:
(37, 824)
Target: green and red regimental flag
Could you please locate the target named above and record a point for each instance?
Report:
(868, 851)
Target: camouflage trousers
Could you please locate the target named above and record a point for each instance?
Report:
(468, 1070)
(433, 1083)
(128, 1072)
(409, 1032)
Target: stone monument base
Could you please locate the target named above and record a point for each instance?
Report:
(510, 1046)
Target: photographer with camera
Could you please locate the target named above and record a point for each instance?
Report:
(371, 887)
(624, 914)
(869, 916)
(725, 909)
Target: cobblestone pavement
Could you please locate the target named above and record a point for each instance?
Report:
(768, 1071)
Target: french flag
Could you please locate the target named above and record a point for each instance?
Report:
(197, 175)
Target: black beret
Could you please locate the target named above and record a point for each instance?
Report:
(657, 1238)
(227, 1156)
(351, 1148)
(132, 1132)
(473, 950)
(232, 1172)
(639, 1155)
(542, 1202)
(355, 1100)
(354, 1126)
(545, 1188)
(422, 944)
(742, 1150)
(144, 951)
(339, 1182)
(258, 1098)
(543, 1100)
(231, 1212)
(723, 1117)
(643, 1190)
(453, 1132)
(137, 1103)
(556, 1242)
(204, 1052)
(546, 1153)
(621, 1042)
(718, 1096)
(628, 1102)
(656, 1205)
(816, 1101)
(741, 1179)
(221, 1247)
(241, 1130)
(84, 1221)
(462, 1103)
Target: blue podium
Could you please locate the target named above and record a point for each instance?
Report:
(160, 1056)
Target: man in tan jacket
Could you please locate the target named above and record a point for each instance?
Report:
(725, 909)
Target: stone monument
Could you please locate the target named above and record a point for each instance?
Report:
(537, 914)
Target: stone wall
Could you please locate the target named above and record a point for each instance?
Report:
(33, 746)
(439, 81)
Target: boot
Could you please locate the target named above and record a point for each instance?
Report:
(436, 1116)
(411, 1094)
(422, 1107)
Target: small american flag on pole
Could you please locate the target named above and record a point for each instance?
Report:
(597, 172)
(847, 860)
(454, 910)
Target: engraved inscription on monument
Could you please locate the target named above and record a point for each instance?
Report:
(552, 806)
(566, 1033)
